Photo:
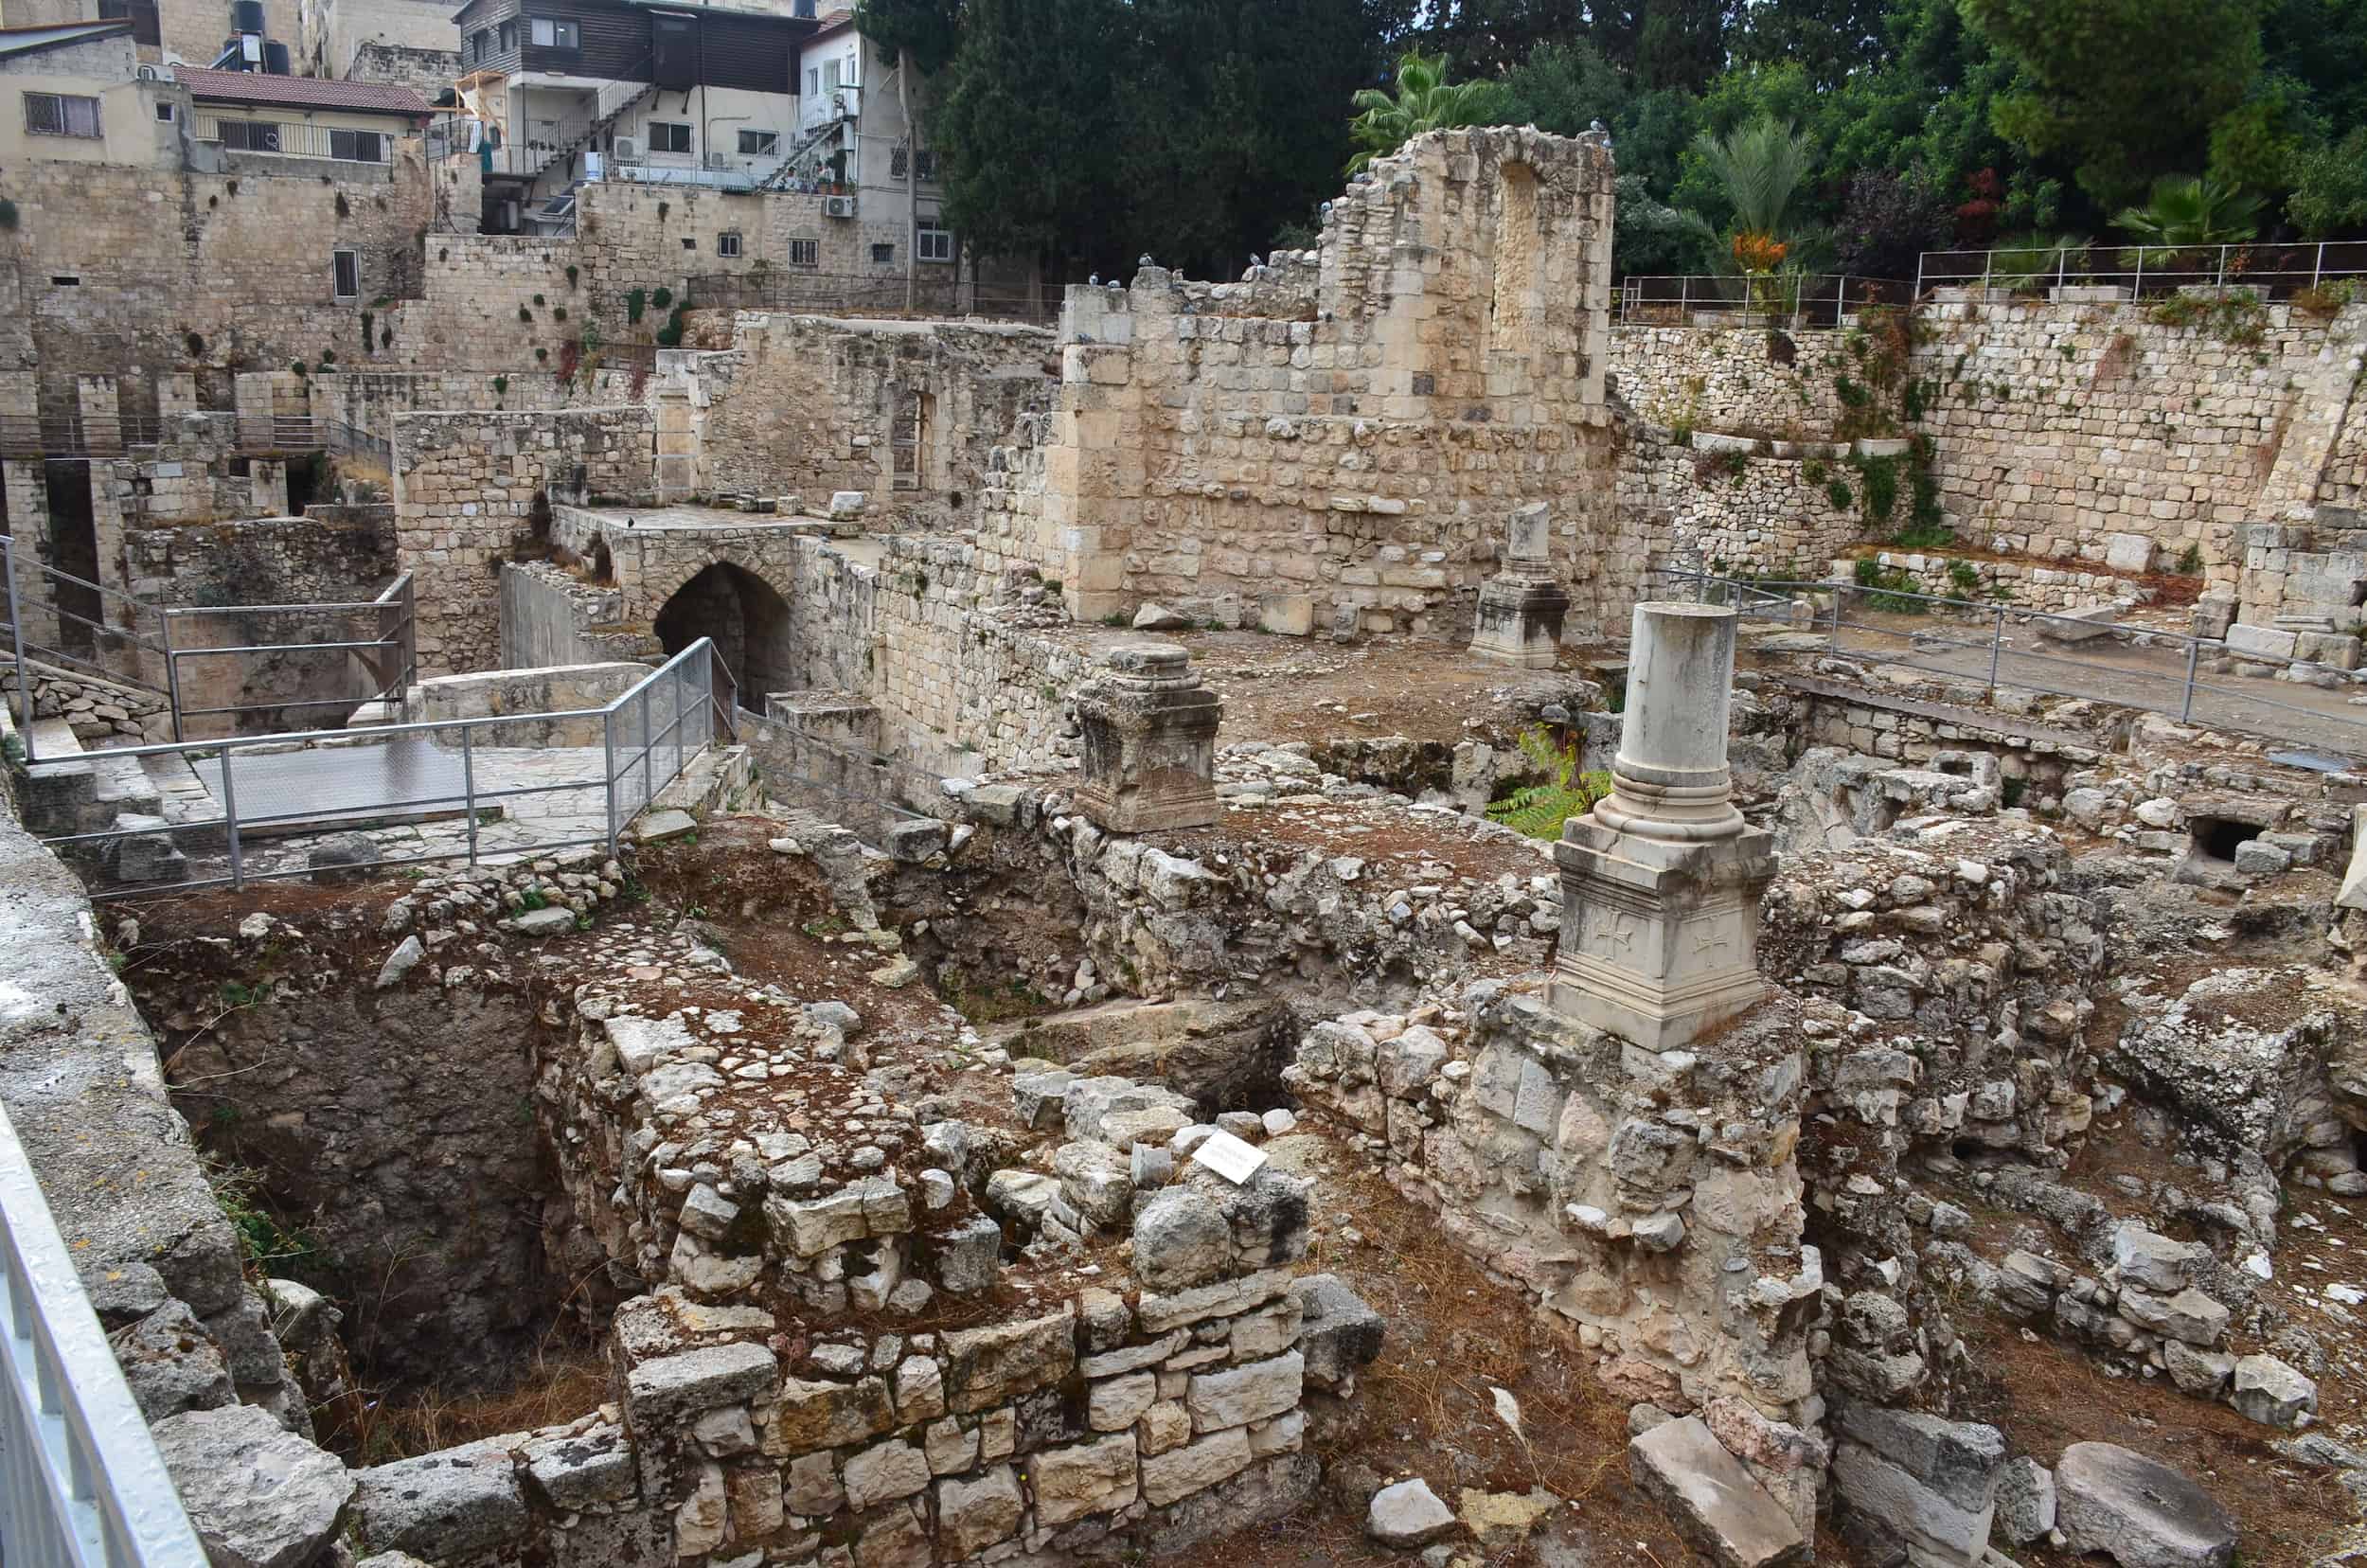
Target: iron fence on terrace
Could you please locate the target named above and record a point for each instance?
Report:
(2064, 654)
(799, 289)
(2139, 271)
(1778, 300)
(76, 626)
(67, 436)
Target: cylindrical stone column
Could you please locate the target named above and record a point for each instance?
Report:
(1670, 780)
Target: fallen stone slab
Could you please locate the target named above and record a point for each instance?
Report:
(449, 1505)
(2272, 1392)
(654, 827)
(2260, 642)
(1501, 1521)
(2139, 1511)
(261, 1496)
(2353, 893)
(2078, 626)
(1409, 1514)
(1714, 1503)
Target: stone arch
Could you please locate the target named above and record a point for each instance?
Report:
(661, 574)
(1515, 298)
(746, 616)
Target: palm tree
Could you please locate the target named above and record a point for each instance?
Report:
(2197, 211)
(1424, 100)
(1760, 166)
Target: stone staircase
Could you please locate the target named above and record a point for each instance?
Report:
(150, 802)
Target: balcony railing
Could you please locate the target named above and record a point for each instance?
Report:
(272, 138)
(82, 1485)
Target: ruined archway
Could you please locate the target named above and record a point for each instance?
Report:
(1513, 299)
(748, 620)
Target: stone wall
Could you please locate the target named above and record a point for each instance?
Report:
(1350, 434)
(2096, 439)
(1573, 1166)
(806, 405)
(568, 691)
(1761, 515)
(2057, 427)
(468, 488)
(176, 268)
(1748, 381)
(260, 561)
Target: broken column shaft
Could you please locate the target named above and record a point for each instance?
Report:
(1661, 881)
(1522, 608)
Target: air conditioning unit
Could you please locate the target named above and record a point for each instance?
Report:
(627, 150)
(837, 206)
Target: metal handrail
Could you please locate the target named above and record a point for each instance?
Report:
(688, 678)
(86, 1487)
(2276, 271)
(2187, 686)
(1822, 299)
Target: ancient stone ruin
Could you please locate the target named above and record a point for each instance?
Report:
(1329, 915)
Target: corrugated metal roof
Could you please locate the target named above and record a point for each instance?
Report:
(293, 92)
(54, 35)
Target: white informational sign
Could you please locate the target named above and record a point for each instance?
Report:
(1229, 1157)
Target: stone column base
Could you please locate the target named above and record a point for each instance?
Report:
(1150, 742)
(1520, 620)
(1659, 938)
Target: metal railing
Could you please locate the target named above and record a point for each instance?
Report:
(290, 139)
(133, 643)
(1777, 299)
(69, 435)
(936, 293)
(1965, 640)
(84, 1486)
(606, 763)
(388, 659)
(2273, 272)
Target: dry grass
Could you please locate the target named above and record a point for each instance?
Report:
(369, 1427)
(1425, 1407)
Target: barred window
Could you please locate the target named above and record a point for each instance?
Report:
(805, 253)
(61, 114)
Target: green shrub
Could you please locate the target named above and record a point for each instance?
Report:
(1890, 588)
(1878, 486)
(1837, 491)
(635, 299)
(1540, 810)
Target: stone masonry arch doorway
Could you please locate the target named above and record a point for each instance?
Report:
(748, 621)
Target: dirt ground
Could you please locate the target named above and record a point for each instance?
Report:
(1313, 689)
(1426, 1407)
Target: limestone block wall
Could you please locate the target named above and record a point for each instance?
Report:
(173, 267)
(260, 561)
(2057, 426)
(1361, 449)
(1760, 515)
(1749, 382)
(806, 405)
(466, 487)
(964, 682)
(550, 616)
(1585, 1171)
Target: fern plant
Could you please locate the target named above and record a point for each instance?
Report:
(1538, 811)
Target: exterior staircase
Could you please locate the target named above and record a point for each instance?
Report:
(615, 98)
